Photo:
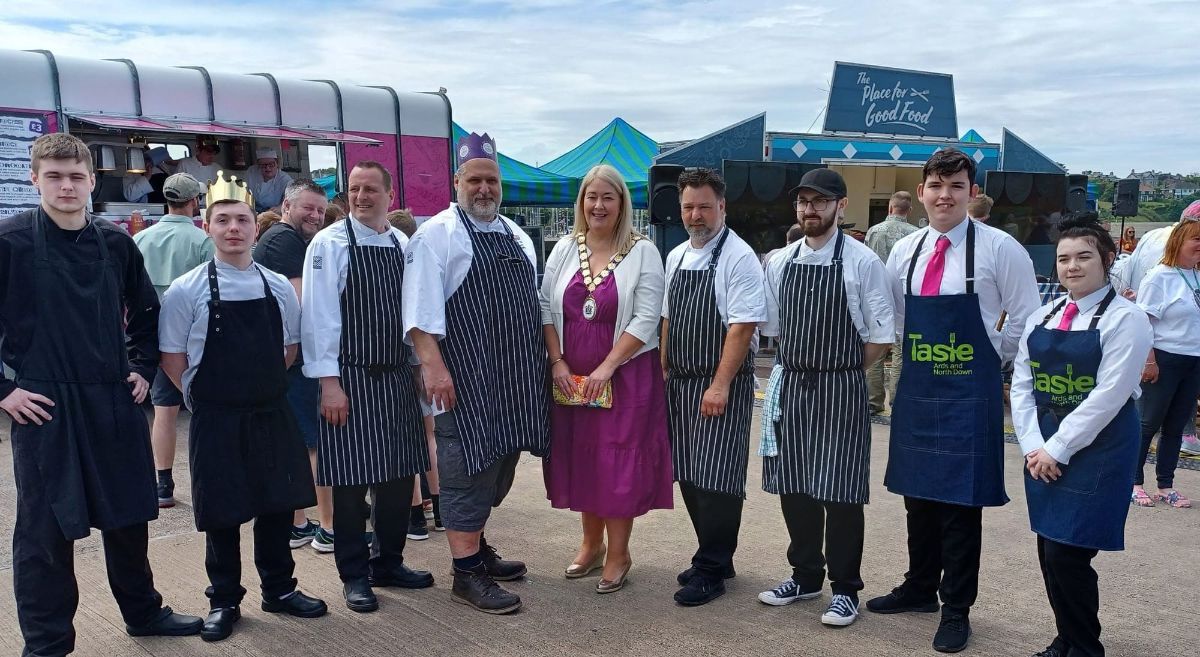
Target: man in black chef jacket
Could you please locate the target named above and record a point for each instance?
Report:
(229, 329)
(79, 327)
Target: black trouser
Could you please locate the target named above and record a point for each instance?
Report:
(841, 526)
(944, 542)
(1167, 405)
(1071, 585)
(391, 505)
(44, 575)
(272, 558)
(716, 517)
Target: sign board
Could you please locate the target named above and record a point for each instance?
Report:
(18, 130)
(890, 101)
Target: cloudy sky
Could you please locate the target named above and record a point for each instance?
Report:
(1106, 85)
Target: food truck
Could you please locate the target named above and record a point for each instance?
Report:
(121, 108)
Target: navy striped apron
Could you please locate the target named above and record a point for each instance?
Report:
(710, 453)
(384, 435)
(495, 350)
(824, 428)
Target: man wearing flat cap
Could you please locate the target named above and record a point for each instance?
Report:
(266, 182)
(173, 246)
(471, 312)
(830, 304)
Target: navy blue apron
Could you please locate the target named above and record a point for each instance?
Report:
(1086, 506)
(495, 349)
(245, 452)
(947, 432)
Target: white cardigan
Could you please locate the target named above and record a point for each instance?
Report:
(640, 286)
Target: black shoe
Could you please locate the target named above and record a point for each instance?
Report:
(360, 597)
(170, 624)
(296, 604)
(417, 530)
(700, 590)
(1057, 648)
(682, 578)
(166, 493)
(479, 590)
(403, 577)
(899, 601)
(219, 624)
(953, 633)
(497, 568)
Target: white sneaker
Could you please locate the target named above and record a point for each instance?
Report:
(786, 593)
(843, 611)
(1190, 446)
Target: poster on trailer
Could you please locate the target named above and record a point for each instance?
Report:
(18, 130)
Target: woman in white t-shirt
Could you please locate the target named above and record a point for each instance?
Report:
(1170, 295)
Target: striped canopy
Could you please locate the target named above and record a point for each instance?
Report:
(528, 185)
(618, 144)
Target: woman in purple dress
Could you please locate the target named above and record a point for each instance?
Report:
(601, 299)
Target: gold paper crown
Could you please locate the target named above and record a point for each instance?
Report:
(229, 188)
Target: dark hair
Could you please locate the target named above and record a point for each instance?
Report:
(946, 163)
(703, 178)
(1086, 225)
(59, 146)
(372, 164)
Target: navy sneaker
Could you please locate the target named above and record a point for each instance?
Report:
(166, 493)
(302, 536)
(322, 540)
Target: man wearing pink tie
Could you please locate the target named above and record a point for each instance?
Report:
(953, 281)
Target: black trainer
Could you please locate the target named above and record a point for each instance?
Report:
(403, 578)
(417, 530)
(497, 568)
(1052, 650)
(682, 578)
(900, 600)
(700, 590)
(476, 588)
(166, 493)
(953, 633)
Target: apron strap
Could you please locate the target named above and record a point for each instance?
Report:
(837, 249)
(1053, 309)
(1112, 294)
(39, 236)
(214, 290)
(970, 264)
(716, 254)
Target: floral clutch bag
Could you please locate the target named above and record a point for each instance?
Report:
(604, 400)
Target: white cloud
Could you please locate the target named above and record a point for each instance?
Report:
(1107, 85)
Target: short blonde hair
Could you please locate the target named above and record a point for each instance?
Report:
(980, 206)
(1181, 233)
(623, 234)
(403, 221)
(901, 202)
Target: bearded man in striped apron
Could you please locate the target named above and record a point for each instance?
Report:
(373, 436)
(471, 312)
(713, 305)
(829, 301)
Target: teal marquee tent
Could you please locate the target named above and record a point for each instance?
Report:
(618, 144)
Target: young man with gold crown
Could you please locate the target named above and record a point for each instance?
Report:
(228, 332)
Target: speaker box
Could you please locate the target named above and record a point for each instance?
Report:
(663, 186)
(1077, 192)
(1125, 204)
(758, 205)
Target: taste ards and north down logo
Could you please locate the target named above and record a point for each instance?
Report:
(1065, 389)
(947, 358)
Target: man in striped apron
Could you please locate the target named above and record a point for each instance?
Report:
(710, 317)
(472, 314)
(372, 437)
(829, 301)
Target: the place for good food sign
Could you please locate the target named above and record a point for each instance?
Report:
(880, 100)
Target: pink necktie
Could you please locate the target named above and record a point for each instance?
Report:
(932, 285)
(1069, 314)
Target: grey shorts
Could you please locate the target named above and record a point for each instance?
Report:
(466, 501)
(163, 392)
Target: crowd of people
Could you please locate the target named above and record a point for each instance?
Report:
(349, 358)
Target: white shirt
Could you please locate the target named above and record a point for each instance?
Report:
(1004, 278)
(136, 186)
(737, 281)
(868, 288)
(1125, 339)
(326, 264)
(206, 174)
(183, 320)
(267, 193)
(1167, 297)
(437, 262)
(1146, 256)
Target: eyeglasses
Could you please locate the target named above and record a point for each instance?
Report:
(818, 204)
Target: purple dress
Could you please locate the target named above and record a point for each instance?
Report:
(613, 462)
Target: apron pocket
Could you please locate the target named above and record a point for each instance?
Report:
(948, 426)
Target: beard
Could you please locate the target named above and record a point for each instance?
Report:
(700, 233)
(480, 209)
(820, 228)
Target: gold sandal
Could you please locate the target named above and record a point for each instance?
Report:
(577, 570)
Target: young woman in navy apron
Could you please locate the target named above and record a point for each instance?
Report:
(1072, 392)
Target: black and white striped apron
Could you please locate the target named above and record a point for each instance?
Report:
(824, 429)
(708, 452)
(496, 353)
(384, 435)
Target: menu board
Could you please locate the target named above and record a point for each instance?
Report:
(18, 130)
